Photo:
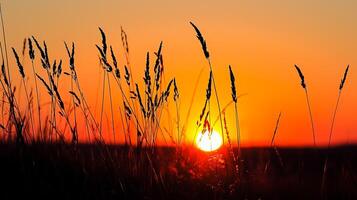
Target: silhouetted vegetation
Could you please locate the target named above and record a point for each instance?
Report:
(44, 154)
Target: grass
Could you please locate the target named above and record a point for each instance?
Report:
(343, 80)
(207, 55)
(304, 86)
(54, 159)
(235, 100)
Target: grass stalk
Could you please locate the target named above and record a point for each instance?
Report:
(207, 56)
(342, 83)
(304, 86)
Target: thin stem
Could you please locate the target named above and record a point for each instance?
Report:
(38, 98)
(111, 108)
(53, 103)
(123, 126)
(333, 118)
(4, 37)
(101, 113)
(216, 94)
(275, 130)
(127, 101)
(237, 126)
(84, 102)
(191, 103)
(74, 107)
(30, 108)
(329, 143)
(178, 123)
(311, 119)
(55, 121)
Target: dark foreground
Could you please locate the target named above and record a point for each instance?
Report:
(43, 171)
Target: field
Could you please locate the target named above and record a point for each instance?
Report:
(56, 171)
(136, 144)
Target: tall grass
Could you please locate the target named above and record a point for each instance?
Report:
(207, 56)
(234, 98)
(304, 86)
(342, 83)
(143, 106)
(22, 73)
(32, 57)
(273, 146)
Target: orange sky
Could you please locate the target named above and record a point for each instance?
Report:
(261, 40)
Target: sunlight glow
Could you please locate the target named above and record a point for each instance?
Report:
(209, 142)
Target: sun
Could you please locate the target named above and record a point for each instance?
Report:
(208, 142)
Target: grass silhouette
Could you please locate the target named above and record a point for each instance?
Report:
(47, 148)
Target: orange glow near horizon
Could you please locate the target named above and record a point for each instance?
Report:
(261, 40)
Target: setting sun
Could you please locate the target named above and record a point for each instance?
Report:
(209, 141)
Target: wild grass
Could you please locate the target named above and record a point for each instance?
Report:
(273, 146)
(235, 100)
(342, 83)
(207, 56)
(144, 103)
(304, 86)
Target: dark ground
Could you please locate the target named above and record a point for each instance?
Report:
(43, 171)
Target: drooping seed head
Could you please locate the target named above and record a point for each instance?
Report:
(19, 65)
(104, 41)
(45, 84)
(201, 39)
(303, 84)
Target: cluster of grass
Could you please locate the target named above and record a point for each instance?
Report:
(143, 106)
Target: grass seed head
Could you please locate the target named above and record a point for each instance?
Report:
(59, 69)
(19, 65)
(45, 84)
(140, 100)
(344, 77)
(147, 77)
(209, 86)
(201, 39)
(104, 41)
(127, 75)
(31, 51)
(24, 44)
(176, 91)
(115, 63)
(303, 84)
(233, 86)
(4, 74)
(124, 39)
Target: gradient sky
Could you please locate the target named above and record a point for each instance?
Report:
(262, 40)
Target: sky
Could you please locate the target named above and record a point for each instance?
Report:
(261, 40)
